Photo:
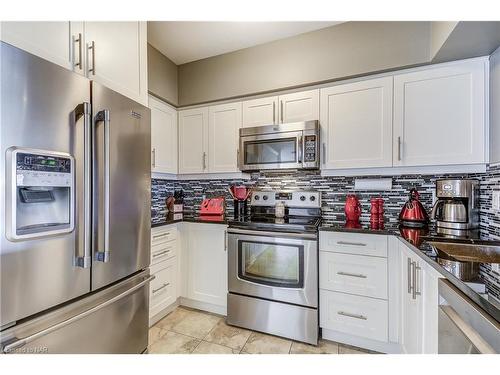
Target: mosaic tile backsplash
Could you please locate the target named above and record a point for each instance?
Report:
(333, 192)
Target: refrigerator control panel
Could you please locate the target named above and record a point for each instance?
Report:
(43, 170)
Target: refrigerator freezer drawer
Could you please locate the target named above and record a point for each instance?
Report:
(114, 320)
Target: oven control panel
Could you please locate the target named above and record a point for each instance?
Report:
(269, 198)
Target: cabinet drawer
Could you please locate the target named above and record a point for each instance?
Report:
(161, 235)
(353, 243)
(354, 315)
(163, 251)
(354, 274)
(162, 289)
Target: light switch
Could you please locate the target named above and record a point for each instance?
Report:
(496, 200)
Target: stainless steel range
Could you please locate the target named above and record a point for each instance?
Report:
(273, 265)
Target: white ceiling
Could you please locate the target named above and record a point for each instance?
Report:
(183, 42)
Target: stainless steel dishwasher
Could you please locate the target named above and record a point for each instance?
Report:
(464, 328)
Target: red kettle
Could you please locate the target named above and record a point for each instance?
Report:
(413, 213)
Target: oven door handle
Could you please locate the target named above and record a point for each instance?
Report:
(272, 234)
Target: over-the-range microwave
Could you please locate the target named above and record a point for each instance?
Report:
(284, 146)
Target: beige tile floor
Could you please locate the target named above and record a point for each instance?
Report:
(185, 331)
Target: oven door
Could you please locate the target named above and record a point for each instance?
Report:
(281, 150)
(276, 266)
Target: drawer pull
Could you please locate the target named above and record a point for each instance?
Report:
(160, 288)
(161, 253)
(350, 243)
(362, 317)
(161, 235)
(352, 274)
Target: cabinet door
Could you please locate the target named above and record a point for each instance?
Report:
(356, 122)
(439, 115)
(207, 264)
(163, 137)
(193, 139)
(162, 291)
(411, 305)
(260, 112)
(52, 41)
(299, 106)
(119, 58)
(224, 123)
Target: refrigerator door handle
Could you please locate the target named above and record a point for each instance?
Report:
(21, 342)
(102, 255)
(84, 109)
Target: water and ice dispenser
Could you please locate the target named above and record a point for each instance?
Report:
(40, 193)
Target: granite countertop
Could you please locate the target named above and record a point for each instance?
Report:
(417, 240)
(188, 216)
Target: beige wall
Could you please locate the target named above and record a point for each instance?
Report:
(162, 76)
(440, 31)
(341, 51)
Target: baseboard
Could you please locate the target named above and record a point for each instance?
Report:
(204, 306)
(360, 342)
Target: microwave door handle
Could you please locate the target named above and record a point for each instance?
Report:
(300, 149)
(102, 254)
(84, 109)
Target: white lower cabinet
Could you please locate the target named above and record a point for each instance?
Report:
(419, 304)
(204, 266)
(164, 289)
(354, 315)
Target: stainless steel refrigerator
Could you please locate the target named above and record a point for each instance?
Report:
(74, 212)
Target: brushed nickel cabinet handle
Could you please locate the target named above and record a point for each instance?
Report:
(154, 157)
(281, 105)
(414, 280)
(79, 41)
(204, 160)
(356, 316)
(399, 148)
(324, 152)
(350, 243)
(417, 281)
(160, 288)
(92, 47)
(409, 279)
(161, 235)
(274, 112)
(161, 253)
(361, 276)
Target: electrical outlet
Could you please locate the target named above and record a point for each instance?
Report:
(496, 200)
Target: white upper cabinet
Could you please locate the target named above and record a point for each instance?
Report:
(260, 112)
(439, 115)
(163, 137)
(295, 107)
(356, 122)
(111, 53)
(49, 40)
(299, 106)
(193, 140)
(117, 57)
(223, 134)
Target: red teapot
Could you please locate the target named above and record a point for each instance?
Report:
(352, 208)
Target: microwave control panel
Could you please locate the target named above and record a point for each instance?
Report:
(310, 148)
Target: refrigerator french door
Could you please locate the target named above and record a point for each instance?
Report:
(74, 210)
